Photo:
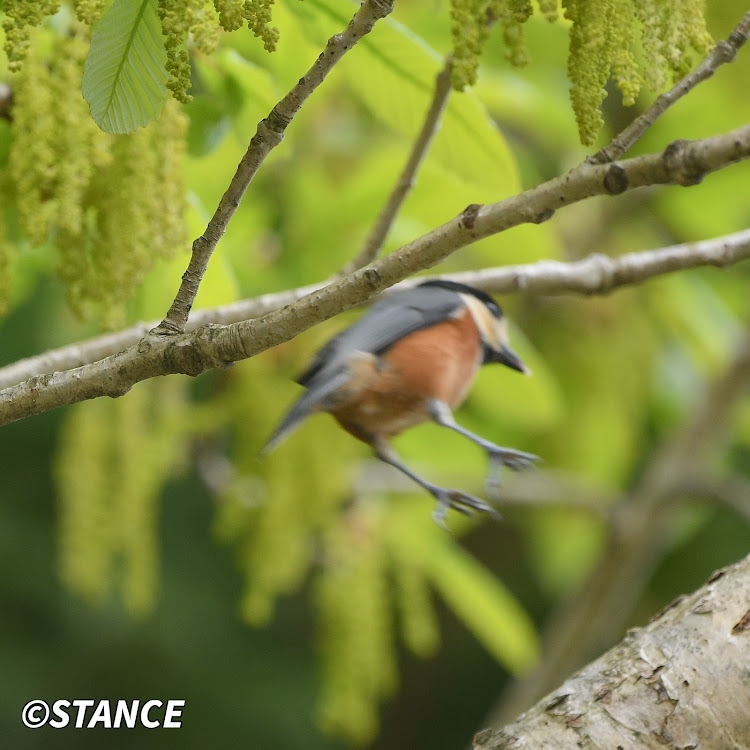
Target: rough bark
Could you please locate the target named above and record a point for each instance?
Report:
(680, 683)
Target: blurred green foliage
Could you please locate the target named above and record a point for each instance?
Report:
(162, 508)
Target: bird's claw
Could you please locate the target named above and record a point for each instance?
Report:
(460, 501)
(513, 459)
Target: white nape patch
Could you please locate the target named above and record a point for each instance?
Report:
(494, 332)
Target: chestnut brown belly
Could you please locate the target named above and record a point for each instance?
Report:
(436, 363)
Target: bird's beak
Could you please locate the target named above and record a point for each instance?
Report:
(508, 357)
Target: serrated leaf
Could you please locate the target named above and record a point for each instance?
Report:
(124, 81)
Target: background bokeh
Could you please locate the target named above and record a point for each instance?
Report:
(146, 551)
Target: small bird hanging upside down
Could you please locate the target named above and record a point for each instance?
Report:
(410, 359)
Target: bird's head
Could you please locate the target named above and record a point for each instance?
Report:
(492, 324)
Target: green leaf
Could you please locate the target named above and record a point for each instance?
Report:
(124, 81)
(484, 604)
(393, 71)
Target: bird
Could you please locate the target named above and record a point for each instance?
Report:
(411, 359)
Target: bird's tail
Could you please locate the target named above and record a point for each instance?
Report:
(314, 399)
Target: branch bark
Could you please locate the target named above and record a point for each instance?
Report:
(596, 274)
(269, 134)
(724, 52)
(683, 162)
(680, 682)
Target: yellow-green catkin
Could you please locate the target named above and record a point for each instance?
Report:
(624, 66)
(231, 16)
(111, 205)
(355, 628)
(271, 514)
(471, 24)
(513, 14)
(6, 251)
(82, 474)
(88, 11)
(469, 31)
(548, 9)
(419, 623)
(176, 18)
(199, 23)
(149, 424)
(138, 204)
(603, 38)
(33, 156)
(21, 16)
(589, 61)
(113, 459)
(670, 29)
(258, 15)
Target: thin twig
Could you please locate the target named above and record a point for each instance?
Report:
(268, 135)
(6, 102)
(596, 274)
(684, 163)
(532, 490)
(732, 490)
(375, 240)
(596, 616)
(724, 52)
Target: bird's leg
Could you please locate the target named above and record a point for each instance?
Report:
(513, 459)
(447, 498)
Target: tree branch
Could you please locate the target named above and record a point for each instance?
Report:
(601, 274)
(268, 135)
(531, 490)
(597, 614)
(683, 162)
(386, 217)
(596, 274)
(724, 52)
(680, 682)
(6, 102)
(732, 490)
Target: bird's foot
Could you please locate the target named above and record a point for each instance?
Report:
(460, 501)
(513, 459)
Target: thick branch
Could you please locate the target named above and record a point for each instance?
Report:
(683, 162)
(597, 274)
(724, 52)
(403, 187)
(680, 682)
(269, 134)
(596, 616)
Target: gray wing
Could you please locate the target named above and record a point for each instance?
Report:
(387, 321)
